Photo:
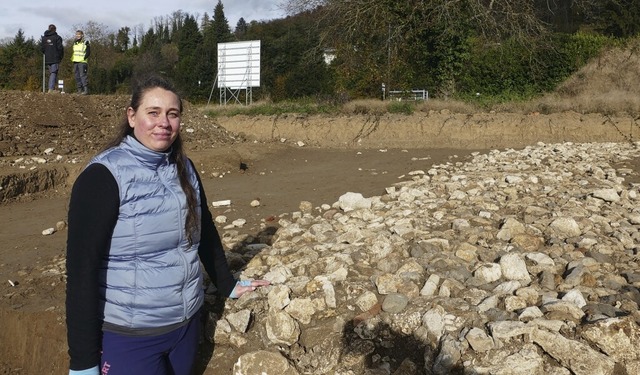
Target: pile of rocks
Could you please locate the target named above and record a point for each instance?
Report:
(518, 262)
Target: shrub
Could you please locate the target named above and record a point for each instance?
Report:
(403, 107)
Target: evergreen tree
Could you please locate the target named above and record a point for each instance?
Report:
(150, 57)
(221, 28)
(206, 20)
(241, 29)
(215, 31)
(122, 39)
(21, 64)
(188, 74)
(149, 41)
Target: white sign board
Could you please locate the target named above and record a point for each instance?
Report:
(239, 64)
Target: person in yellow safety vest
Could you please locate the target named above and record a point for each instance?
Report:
(81, 52)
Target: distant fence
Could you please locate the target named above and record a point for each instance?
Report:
(407, 95)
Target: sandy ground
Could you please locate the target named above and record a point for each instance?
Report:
(280, 161)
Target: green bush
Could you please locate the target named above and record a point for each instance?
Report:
(510, 71)
(579, 48)
(402, 107)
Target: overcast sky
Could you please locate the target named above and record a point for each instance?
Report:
(33, 16)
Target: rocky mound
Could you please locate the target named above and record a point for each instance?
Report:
(518, 262)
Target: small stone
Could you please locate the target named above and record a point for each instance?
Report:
(61, 225)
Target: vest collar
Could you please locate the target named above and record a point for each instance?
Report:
(148, 158)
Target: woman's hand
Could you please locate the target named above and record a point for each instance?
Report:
(245, 286)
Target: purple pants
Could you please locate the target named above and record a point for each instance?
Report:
(172, 353)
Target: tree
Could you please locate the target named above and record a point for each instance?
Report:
(206, 20)
(384, 40)
(214, 31)
(292, 66)
(189, 47)
(619, 18)
(241, 28)
(122, 39)
(450, 47)
(21, 64)
(149, 41)
(221, 28)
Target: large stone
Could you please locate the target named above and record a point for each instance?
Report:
(264, 363)
(282, 328)
(574, 355)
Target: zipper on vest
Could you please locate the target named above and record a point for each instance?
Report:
(176, 196)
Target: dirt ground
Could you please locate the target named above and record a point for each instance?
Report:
(45, 140)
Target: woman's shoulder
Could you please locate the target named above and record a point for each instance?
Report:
(95, 175)
(110, 154)
(96, 170)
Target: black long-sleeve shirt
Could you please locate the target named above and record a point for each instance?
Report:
(93, 213)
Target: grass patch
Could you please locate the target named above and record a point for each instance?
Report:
(306, 107)
(364, 107)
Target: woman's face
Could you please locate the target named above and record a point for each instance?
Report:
(156, 123)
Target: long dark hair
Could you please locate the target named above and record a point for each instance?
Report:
(178, 154)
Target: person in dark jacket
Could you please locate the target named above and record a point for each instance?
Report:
(139, 228)
(80, 58)
(53, 50)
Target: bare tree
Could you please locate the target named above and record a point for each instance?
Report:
(384, 36)
(96, 32)
(493, 19)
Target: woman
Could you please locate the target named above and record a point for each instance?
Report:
(138, 228)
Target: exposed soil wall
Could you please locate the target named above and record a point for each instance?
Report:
(436, 130)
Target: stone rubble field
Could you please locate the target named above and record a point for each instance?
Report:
(518, 262)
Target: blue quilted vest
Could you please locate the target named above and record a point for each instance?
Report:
(151, 277)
